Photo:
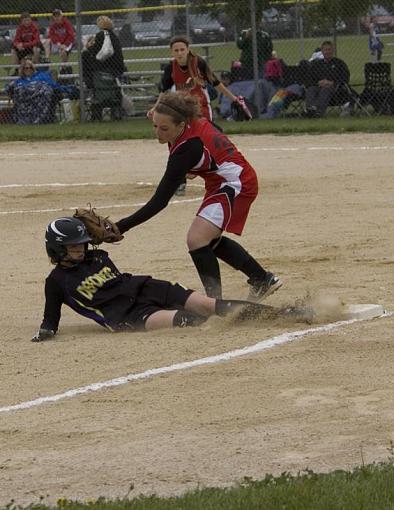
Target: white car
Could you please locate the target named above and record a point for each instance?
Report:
(87, 31)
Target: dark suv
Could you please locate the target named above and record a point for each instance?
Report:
(202, 28)
(151, 33)
(5, 41)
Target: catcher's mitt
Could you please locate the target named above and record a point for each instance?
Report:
(100, 229)
(240, 110)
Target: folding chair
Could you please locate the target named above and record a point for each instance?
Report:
(347, 99)
(295, 75)
(378, 90)
(106, 94)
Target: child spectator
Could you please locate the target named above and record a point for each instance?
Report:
(27, 41)
(61, 36)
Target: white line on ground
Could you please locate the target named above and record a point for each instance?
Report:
(113, 206)
(57, 154)
(76, 184)
(60, 184)
(325, 148)
(61, 153)
(210, 360)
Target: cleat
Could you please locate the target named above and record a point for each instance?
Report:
(260, 289)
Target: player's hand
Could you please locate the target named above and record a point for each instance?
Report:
(43, 334)
(149, 113)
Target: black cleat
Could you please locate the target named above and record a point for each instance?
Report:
(260, 289)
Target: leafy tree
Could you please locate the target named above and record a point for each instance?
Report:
(330, 12)
(47, 6)
(237, 10)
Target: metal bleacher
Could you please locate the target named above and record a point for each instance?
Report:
(141, 85)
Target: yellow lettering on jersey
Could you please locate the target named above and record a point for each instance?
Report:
(91, 284)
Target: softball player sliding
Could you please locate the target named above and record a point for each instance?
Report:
(197, 148)
(90, 283)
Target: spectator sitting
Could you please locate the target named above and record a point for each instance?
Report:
(327, 77)
(264, 51)
(34, 95)
(274, 69)
(27, 41)
(61, 36)
(291, 87)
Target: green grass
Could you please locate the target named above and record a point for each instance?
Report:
(369, 487)
(142, 128)
(353, 49)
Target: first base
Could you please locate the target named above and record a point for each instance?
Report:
(364, 311)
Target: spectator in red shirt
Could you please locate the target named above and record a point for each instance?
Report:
(27, 41)
(61, 36)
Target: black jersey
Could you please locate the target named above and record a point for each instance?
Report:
(94, 288)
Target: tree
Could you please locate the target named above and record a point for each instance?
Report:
(47, 6)
(237, 10)
(331, 12)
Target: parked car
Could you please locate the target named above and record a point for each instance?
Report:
(151, 33)
(125, 36)
(202, 28)
(383, 18)
(278, 23)
(5, 41)
(87, 31)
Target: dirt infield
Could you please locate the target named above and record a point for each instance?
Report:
(323, 222)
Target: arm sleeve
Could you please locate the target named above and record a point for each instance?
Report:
(179, 164)
(241, 41)
(344, 74)
(36, 37)
(166, 81)
(53, 305)
(70, 36)
(98, 43)
(52, 34)
(17, 39)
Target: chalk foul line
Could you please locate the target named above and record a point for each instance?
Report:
(210, 360)
(113, 206)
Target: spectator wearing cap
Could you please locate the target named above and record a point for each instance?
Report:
(61, 36)
(27, 41)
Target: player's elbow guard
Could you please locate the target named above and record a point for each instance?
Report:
(43, 334)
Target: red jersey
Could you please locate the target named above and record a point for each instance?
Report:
(183, 80)
(221, 163)
(61, 33)
(29, 35)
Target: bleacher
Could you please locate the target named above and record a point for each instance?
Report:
(141, 85)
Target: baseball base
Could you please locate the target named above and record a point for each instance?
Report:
(365, 312)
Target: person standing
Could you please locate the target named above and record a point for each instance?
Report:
(198, 149)
(190, 73)
(264, 51)
(375, 43)
(103, 75)
(115, 63)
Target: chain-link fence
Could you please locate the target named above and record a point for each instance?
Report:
(271, 53)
